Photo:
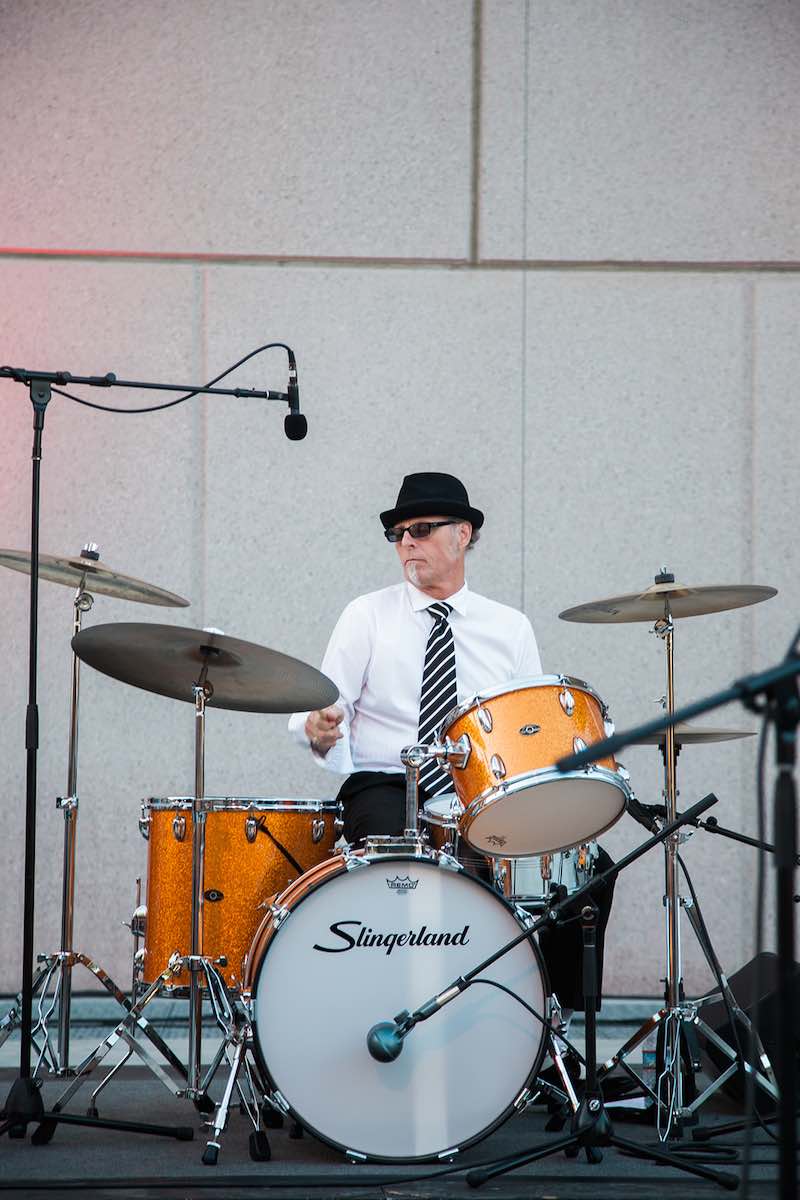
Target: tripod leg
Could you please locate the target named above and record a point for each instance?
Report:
(92, 1110)
(730, 1182)
(481, 1175)
(211, 1152)
(85, 1069)
(620, 1058)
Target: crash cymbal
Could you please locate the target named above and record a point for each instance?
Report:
(687, 734)
(683, 601)
(168, 659)
(79, 571)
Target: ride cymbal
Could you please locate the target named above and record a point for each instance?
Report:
(168, 660)
(84, 571)
(687, 734)
(683, 601)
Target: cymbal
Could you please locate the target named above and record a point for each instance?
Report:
(168, 660)
(77, 571)
(683, 601)
(687, 734)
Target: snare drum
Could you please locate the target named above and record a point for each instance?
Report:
(253, 849)
(353, 942)
(528, 881)
(516, 803)
(439, 819)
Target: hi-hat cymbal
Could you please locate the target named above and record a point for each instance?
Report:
(78, 571)
(683, 601)
(687, 734)
(168, 660)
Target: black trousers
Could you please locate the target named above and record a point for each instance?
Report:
(374, 804)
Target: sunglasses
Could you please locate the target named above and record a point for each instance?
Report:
(419, 530)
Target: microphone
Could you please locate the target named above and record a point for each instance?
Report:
(295, 426)
(385, 1040)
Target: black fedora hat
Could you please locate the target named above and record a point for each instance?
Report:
(429, 493)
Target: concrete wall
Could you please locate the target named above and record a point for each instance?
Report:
(552, 247)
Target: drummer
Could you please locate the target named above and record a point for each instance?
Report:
(403, 657)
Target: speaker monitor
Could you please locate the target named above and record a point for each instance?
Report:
(763, 974)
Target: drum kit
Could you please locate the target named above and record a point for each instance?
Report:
(296, 944)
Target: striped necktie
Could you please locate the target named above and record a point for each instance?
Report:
(438, 694)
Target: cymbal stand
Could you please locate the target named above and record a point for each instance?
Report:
(235, 1028)
(57, 968)
(678, 1019)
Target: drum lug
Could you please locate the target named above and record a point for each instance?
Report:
(353, 860)
(485, 719)
(138, 921)
(251, 829)
(144, 823)
(447, 860)
(522, 1099)
(498, 766)
(279, 915)
(462, 747)
(578, 744)
(279, 1101)
(317, 830)
(179, 827)
(567, 701)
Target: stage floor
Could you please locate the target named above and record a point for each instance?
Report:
(132, 1166)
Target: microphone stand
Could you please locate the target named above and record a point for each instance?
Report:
(24, 1104)
(590, 1124)
(774, 693)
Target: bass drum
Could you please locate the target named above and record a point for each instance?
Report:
(353, 942)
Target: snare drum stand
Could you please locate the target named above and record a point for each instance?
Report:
(236, 1034)
(56, 968)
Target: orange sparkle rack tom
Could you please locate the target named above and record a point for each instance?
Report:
(514, 799)
(254, 848)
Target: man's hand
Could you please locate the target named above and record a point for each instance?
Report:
(322, 728)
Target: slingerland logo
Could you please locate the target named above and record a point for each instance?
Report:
(355, 935)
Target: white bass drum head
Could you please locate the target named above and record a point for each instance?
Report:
(358, 948)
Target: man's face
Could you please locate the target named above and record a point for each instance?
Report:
(434, 560)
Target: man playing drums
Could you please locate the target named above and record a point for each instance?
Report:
(403, 657)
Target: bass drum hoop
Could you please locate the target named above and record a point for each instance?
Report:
(519, 916)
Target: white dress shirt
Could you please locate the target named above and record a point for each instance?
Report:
(375, 657)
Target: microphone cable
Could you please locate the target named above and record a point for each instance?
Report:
(179, 399)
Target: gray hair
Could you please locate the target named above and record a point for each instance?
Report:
(474, 535)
